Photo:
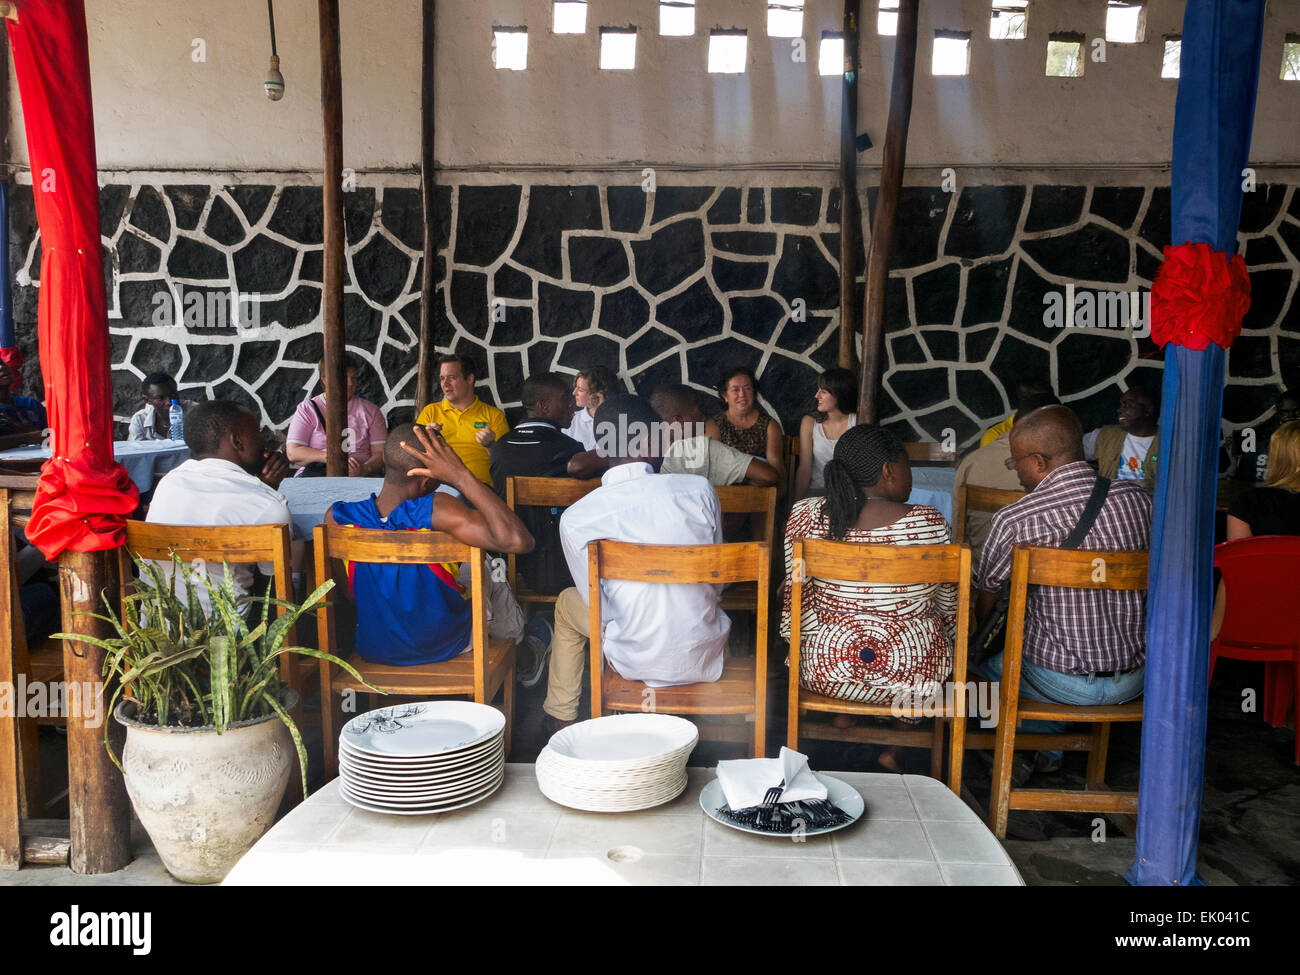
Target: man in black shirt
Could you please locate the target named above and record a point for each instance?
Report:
(537, 448)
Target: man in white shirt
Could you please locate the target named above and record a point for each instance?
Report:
(230, 479)
(691, 452)
(660, 633)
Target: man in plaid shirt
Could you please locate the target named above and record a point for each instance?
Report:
(1081, 646)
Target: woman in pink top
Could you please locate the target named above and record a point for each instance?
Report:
(363, 438)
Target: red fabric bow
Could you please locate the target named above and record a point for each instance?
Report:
(1199, 296)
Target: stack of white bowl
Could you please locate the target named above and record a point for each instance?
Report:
(428, 757)
(617, 763)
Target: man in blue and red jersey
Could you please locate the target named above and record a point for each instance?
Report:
(415, 614)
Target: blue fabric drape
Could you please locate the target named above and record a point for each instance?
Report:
(1218, 80)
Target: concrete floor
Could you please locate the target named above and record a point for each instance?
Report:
(1250, 828)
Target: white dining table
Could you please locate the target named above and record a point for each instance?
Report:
(144, 460)
(310, 497)
(914, 832)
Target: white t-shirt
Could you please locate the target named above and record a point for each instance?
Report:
(1131, 456)
(216, 492)
(583, 429)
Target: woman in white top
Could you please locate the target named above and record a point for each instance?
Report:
(837, 403)
(591, 387)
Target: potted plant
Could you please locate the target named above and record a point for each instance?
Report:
(207, 754)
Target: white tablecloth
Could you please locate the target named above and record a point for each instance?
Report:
(933, 486)
(144, 460)
(310, 497)
(914, 831)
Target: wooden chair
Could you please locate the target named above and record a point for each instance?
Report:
(761, 503)
(1036, 566)
(972, 497)
(742, 688)
(488, 667)
(540, 492)
(930, 452)
(234, 544)
(890, 565)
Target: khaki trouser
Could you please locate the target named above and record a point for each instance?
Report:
(568, 656)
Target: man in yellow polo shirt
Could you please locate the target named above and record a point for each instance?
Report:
(469, 425)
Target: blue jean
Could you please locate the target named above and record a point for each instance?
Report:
(1052, 685)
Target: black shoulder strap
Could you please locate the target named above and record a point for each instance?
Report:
(319, 415)
(1090, 512)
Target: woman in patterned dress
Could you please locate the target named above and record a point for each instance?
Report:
(743, 425)
(869, 642)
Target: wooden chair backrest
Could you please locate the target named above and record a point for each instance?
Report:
(547, 492)
(677, 564)
(751, 499)
(972, 497)
(815, 558)
(350, 544)
(1063, 568)
(544, 492)
(929, 451)
(214, 543)
(211, 543)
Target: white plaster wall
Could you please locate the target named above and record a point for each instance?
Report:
(157, 108)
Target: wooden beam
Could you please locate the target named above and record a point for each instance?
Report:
(428, 275)
(333, 376)
(850, 221)
(11, 767)
(882, 228)
(99, 816)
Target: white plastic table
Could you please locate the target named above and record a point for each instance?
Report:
(144, 460)
(914, 831)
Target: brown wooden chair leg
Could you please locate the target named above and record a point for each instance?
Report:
(1096, 775)
(936, 749)
(1000, 795)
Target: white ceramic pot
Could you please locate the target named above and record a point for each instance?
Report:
(205, 798)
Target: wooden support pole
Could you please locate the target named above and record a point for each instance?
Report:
(850, 222)
(428, 275)
(334, 377)
(99, 816)
(882, 228)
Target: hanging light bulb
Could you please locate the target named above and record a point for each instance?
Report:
(274, 83)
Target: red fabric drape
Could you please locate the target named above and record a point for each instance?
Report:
(84, 495)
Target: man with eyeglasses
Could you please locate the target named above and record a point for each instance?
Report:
(1081, 646)
(987, 467)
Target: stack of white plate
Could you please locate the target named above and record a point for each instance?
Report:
(617, 763)
(429, 757)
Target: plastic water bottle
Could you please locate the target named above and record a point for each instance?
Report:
(177, 425)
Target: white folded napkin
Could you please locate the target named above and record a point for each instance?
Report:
(745, 781)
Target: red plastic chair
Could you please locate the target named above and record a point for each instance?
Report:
(1261, 576)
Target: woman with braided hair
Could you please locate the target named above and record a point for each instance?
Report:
(868, 642)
